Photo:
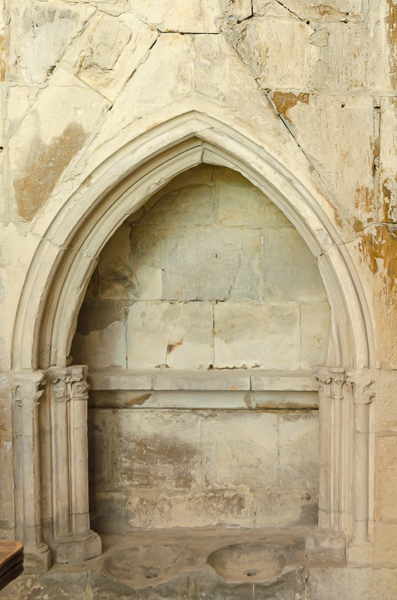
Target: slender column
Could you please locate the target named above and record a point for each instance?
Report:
(73, 539)
(331, 381)
(363, 385)
(26, 393)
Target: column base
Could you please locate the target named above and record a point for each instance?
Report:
(326, 548)
(77, 548)
(37, 559)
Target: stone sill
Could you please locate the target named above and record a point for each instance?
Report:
(222, 380)
(207, 390)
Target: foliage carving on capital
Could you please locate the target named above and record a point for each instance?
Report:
(332, 378)
(363, 383)
(69, 383)
(27, 388)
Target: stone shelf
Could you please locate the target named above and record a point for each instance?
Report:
(225, 389)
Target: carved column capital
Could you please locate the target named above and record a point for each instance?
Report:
(332, 378)
(69, 383)
(27, 388)
(363, 383)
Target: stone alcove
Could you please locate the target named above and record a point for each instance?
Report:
(210, 296)
(54, 511)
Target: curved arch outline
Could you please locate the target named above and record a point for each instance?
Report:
(66, 256)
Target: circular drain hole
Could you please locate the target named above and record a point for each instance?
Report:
(252, 573)
(152, 574)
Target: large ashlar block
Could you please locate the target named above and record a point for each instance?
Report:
(278, 51)
(386, 477)
(195, 17)
(102, 348)
(40, 32)
(386, 401)
(160, 450)
(249, 335)
(240, 204)
(173, 334)
(298, 454)
(345, 161)
(240, 450)
(187, 206)
(130, 265)
(19, 100)
(105, 430)
(287, 53)
(109, 51)
(41, 150)
(332, 9)
(388, 143)
(290, 269)
(315, 329)
(208, 264)
(195, 509)
(285, 509)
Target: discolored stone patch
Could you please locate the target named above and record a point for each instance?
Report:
(43, 166)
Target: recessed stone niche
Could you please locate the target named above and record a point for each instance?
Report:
(199, 328)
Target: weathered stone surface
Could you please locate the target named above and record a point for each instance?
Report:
(386, 481)
(257, 335)
(39, 35)
(290, 270)
(388, 175)
(41, 149)
(104, 348)
(298, 443)
(347, 124)
(177, 335)
(109, 51)
(315, 328)
(198, 17)
(302, 9)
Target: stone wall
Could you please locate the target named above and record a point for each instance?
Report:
(208, 275)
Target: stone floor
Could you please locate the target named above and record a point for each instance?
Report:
(203, 564)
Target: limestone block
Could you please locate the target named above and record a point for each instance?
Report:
(170, 334)
(129, 265)
(7, 520)
(286, 53)
(388, 176)
(284, 508)
(278, 51)
(182, 207)
(101, 348)
(341, 65)
(19, 101)
(160, 450)
(209, 264)
(240, 451)
(386, 401)
(353, 583)
(332, 10)
(345, 160)
(381, 67)
(39, 35)
(109, 51)
(209, 380)
(298, 453)
(196, 17)
(41, 150)
(290, 271)
(252, 335)
(213, 508)
(105, 428)
(315, 329)
(2, 43)
(386, 477)
(240, 204)
(109, 513)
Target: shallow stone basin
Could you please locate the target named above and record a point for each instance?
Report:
(144, 566)
(248, 563)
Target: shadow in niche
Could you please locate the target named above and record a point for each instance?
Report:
(186, 474)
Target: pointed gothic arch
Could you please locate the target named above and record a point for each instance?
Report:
(54, 290)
